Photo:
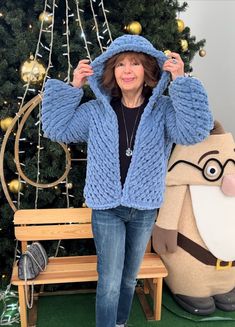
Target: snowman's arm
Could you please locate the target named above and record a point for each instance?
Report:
(166, 229)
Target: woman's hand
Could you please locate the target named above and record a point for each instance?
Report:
(81, 72)
(174, 65)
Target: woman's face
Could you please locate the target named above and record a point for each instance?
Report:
(129, 74)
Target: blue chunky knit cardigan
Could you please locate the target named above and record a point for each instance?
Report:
(182, 117)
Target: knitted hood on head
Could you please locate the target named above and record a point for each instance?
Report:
(124, 43)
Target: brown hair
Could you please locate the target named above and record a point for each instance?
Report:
(151, 73)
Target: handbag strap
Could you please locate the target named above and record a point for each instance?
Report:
(42, 252)
(29, 304)
(32, 256)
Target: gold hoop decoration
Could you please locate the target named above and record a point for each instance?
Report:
(3, 147)
(29, 108)
(17, 162)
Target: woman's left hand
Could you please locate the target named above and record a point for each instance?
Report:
(174, 65)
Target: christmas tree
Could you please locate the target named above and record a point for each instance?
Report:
(41, 40)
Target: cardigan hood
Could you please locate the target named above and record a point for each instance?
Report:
(124, 43)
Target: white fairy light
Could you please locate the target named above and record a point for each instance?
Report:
(78, 19)
(96, 26)
(105, 19)
(67, 79)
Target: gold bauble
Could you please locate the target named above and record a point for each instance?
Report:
(32, 71)
(184, 45)
(5, 123)
(15, 186)
(180, 25)
(46, 17)
(167, 52)
(202, 53)
(84, 205)
(134, 28)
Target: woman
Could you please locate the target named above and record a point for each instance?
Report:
(129, 128)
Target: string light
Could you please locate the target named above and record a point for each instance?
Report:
(67, 33)
(82, 30)
(106, 21)
(96, 27)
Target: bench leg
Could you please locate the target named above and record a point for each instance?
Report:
(146, 287)
(23, 307)
(157, 301)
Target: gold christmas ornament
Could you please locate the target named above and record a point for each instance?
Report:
(184, 45)
(202, 53)
(167, 52)
(15, 186)
(180, 25)
(5, 123)
(134, 28)
(32, 71)
(46, 17)
(84, 205)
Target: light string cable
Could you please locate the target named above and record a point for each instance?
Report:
(67, 45)
(49, 29)
(96, 26)
(83, 35)
(67, 79)
(28, 89)
(67, 34)
(106, 24)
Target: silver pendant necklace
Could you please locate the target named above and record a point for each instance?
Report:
(129, 151)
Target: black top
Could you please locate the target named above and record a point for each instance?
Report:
(132, 123)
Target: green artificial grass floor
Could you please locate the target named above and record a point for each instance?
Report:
(78, 310)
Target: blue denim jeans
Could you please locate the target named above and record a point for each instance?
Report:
(121, 235)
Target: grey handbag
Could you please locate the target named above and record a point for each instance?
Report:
(33, 261)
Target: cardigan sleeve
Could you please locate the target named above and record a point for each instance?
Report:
(188, 117)
(63, 120)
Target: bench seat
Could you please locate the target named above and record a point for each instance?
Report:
(83, 269)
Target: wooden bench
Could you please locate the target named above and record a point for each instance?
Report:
(74, 223)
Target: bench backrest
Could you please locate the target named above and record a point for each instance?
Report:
(52, 224)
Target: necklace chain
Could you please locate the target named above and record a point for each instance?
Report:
(129, 151)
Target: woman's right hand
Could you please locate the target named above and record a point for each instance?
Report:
(81, 72)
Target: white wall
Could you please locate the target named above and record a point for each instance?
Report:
(214, 20)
